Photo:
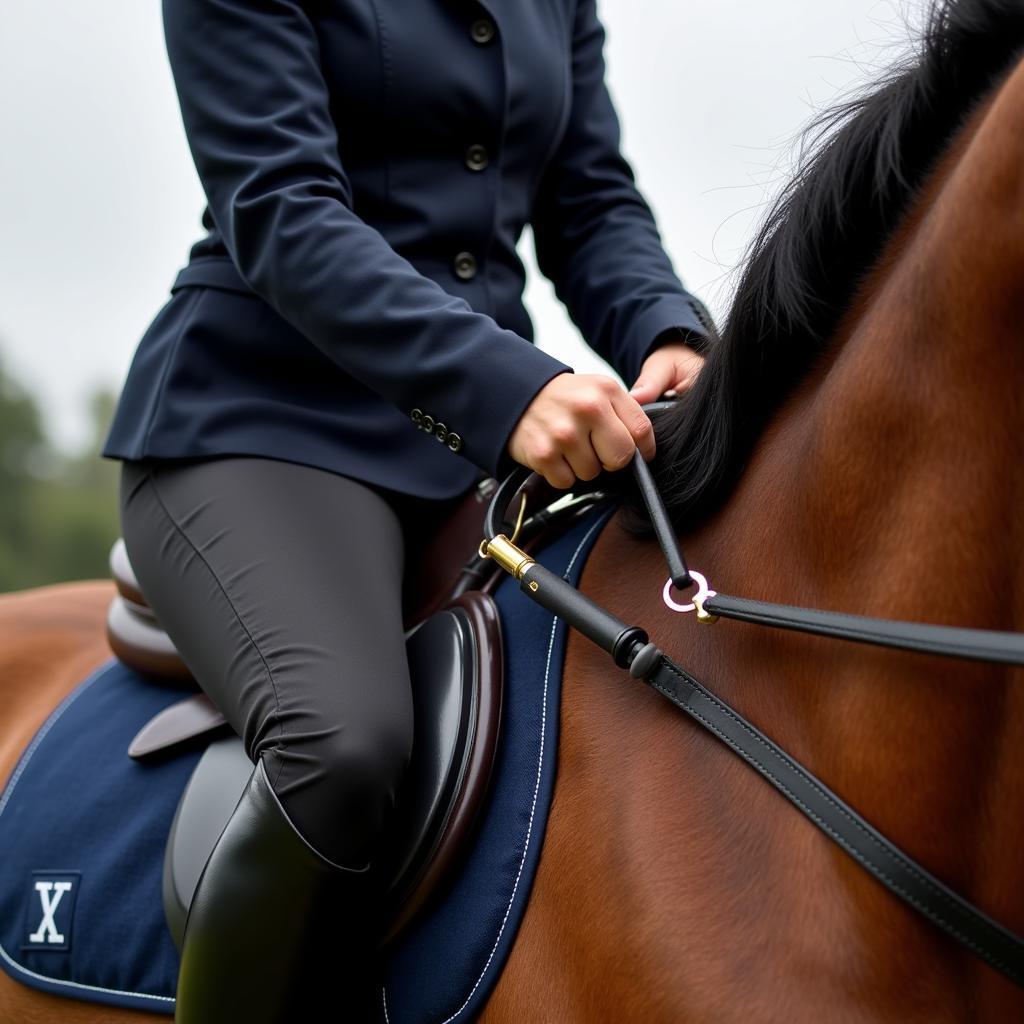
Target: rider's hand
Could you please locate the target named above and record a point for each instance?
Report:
(668, 369)
(579, 424)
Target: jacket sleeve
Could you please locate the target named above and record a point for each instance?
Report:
(594, 234)
(255, 109)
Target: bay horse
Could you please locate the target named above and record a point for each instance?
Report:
(853, 443)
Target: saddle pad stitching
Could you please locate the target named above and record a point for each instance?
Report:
(78, 984)
(23, 761)
(536, 788)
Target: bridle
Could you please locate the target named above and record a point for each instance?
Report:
(631, 649)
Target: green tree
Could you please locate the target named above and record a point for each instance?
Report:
(58, 511)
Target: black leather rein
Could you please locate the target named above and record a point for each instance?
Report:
(948, 641)
(631, 649)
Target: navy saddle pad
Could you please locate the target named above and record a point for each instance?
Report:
(83, 828)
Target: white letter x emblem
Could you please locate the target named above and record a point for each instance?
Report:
(47, 924)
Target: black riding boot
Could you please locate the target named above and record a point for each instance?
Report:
(276, 933)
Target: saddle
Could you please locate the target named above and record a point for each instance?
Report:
(456, 659)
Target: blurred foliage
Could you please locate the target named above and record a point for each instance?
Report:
(58, 512)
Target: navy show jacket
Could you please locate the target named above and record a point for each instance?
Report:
(356, 303)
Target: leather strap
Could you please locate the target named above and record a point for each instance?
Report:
(899, 873)
(501, 500)
(950, 641)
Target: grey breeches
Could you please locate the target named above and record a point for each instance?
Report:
(281, 585)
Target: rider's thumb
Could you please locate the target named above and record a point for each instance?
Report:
(644, 390)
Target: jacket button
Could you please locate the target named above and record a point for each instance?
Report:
(482, 31)
(416, 415)
(476, 157)
(441, 431)
(465, 266)
(454, 441)
(427, 423)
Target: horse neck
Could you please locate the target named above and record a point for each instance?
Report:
(890, 485)
(903, 449)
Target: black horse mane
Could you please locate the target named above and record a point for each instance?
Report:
(867, 159)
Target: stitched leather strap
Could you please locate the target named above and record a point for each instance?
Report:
(953, 642)
(899, 873)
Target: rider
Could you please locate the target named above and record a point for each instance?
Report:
(346, 354)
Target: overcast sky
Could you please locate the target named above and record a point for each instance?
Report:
(100, 203)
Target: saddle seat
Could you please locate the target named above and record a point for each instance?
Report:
(453, 642)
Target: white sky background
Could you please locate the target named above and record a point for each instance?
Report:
(100, 202)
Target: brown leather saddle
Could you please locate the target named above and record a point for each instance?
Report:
(454, 645)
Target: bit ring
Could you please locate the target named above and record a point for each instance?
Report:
(703, 592)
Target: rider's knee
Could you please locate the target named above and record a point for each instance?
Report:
(343, 786)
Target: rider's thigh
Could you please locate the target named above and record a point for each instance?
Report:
(281, 585)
